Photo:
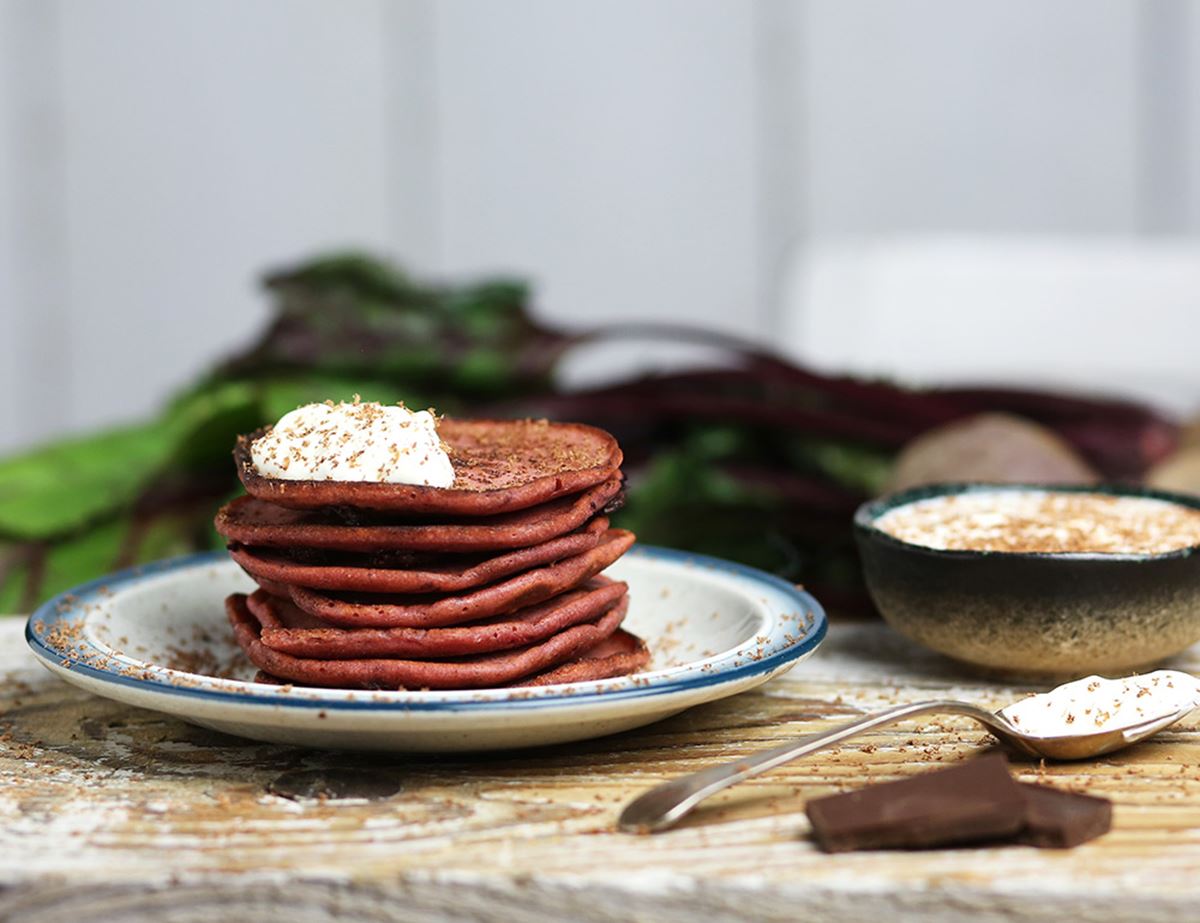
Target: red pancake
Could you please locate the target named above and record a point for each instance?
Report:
(272, 588)
(290, 630)
(619, 654)
(499, 466)
(249, 521)
(415, 573)
(524, 589)
(489, 670)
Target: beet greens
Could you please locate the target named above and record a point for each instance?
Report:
(754, 459)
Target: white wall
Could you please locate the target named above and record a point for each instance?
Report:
(33, 302)
(1021, 115)
(608, 146)
(225, 136)
(654, 159)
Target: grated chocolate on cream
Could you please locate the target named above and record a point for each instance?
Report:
(360, 441)
(1044, 521)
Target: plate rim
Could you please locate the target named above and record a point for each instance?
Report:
(59, 606)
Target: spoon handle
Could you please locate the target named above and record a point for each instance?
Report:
(665, 804)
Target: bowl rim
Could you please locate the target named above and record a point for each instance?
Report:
(870, 511)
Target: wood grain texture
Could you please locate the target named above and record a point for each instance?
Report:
(110, 811)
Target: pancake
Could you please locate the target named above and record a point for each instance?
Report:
(274, 588)
(524, 589)
(286, 628)
(619, 654)
(488, 670)
(415, 573)
(499, 466)
(250, 521)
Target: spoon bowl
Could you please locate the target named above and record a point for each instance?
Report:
(1082, 746)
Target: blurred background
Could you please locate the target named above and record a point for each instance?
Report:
(932, 193)
(933, 189)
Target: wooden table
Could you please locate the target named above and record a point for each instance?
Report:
(111, 812)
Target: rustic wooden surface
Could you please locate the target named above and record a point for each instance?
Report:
(110, 812)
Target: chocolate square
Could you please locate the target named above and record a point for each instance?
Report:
(972, 801)
(1059, 820)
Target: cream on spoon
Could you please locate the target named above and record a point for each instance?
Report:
(1095, 704)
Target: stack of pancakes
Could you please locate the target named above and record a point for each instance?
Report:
(494, 581)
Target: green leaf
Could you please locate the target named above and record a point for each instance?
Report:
(853, 466)
(679, 481)
(282, 395)
(79, 559)
(489, 310)
(168, 536)
(202, 424)
(719, 442)
(12, 582)
(484, 370)
(62, 487)
(406, 360)
(353, 273)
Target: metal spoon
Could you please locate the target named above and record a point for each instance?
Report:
(662, 806)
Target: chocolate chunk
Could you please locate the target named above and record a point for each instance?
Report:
(1060, 820)
(972, 801)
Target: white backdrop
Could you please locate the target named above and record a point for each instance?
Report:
(636, 158)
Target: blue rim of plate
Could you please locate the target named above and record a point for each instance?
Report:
(63, 605)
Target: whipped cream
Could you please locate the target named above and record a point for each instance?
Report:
(360, 441)
(1095, 704)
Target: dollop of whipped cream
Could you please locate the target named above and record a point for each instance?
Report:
(1094, 704)
(359, 441)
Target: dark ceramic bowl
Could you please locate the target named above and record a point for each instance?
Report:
(1033, 614)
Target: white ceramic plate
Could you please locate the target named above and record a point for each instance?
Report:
(156, 637)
